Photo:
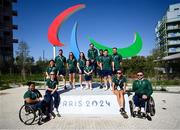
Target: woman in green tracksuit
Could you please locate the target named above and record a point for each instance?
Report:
(71, 65)
(88, 70)
(51, 68)
(80, 65)
(119, 88)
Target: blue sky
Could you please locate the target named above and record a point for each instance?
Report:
(111, 22)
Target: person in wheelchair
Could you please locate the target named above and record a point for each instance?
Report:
(143, 90)
(119, 88)
(33, 98)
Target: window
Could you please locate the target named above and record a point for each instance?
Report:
(7, 33)
(1, 34)
(7, 18)
(7, 4)
(1, 2)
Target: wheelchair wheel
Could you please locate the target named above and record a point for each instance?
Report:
(27, 115)
(151, 106)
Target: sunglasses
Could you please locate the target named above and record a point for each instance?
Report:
(139, 75)
(52, 74)
(119, 72)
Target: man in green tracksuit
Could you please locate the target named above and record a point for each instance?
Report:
(106, 67)
(143, 90)
(92, 55)
(99, 71)
(116, 61)
(60, 61)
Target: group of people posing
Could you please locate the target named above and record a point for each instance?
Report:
(103, 64)
(108, 68)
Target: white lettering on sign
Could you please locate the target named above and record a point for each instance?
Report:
(89, 104)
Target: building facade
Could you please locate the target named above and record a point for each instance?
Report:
(168, 41)
(6, 33)
(168, 31)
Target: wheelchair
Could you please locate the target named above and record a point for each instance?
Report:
(28, 115)
(149, 109)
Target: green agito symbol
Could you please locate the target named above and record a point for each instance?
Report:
(130, 51)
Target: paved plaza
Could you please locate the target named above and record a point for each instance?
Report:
(167, 115)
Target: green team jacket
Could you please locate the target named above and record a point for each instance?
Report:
(142, 87)
(92, 54)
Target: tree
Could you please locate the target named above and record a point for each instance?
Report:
(41, 65)
(30, 61)
(23, 60)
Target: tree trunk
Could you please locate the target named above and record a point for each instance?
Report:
(23, 73)
(30, 72)
(10, 71)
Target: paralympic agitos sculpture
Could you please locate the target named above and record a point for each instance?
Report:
(130, 51)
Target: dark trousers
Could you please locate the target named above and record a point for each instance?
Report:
(54, 96)
(42, 105)
(94, 66)
(139, 101)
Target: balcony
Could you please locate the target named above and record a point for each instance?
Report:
(14, 13)
(15, 40)
(15, 27)
(15, 1)
(174, 35)
(173, 20)
(177, 27)
(171, 43)
(174, 50)
(10, 13)
(8, 27)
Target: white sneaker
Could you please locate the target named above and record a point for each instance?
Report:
(91, 88)
(111, 88)
(53, 115)
(142, 110)
(136, 109)
(70, 84)
(57, 113)
(81, 86)
(106, 88)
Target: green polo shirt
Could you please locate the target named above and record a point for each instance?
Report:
(92, 54)
(142, 87)
(106, 62)
(82, 63)
(60, 62)
(51, 69)
(119, 82)
(32, 94)
(99, 59)
(88, 69)
(116, 58)
(72, 64)
(51, 84)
